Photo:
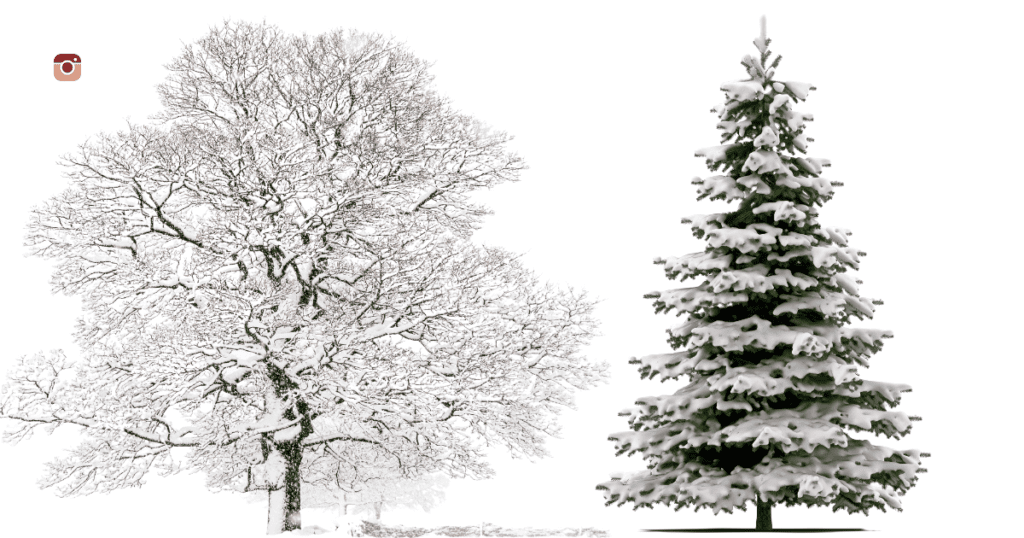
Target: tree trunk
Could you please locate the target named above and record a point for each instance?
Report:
(283, 451)
(376, 510)
(284, 511)
(764, 515)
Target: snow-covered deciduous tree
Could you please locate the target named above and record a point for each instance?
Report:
(280, 270)
(774, 382)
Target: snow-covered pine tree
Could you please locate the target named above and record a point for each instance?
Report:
(774, 380)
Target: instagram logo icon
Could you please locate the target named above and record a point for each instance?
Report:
(67, 67)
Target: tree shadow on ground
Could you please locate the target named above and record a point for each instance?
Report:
(752, 530)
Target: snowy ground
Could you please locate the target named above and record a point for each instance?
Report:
(352, 526)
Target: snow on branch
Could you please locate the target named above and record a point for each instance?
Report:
(745, 90)
(715, 154)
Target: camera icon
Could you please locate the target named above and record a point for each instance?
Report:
(67, 67)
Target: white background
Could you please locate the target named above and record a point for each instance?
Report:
(917, 107)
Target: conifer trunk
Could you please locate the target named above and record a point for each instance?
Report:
(764, 515)
(284, 511)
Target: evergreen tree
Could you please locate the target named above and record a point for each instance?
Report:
(774, 380)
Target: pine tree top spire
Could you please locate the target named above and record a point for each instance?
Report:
(762, 42)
